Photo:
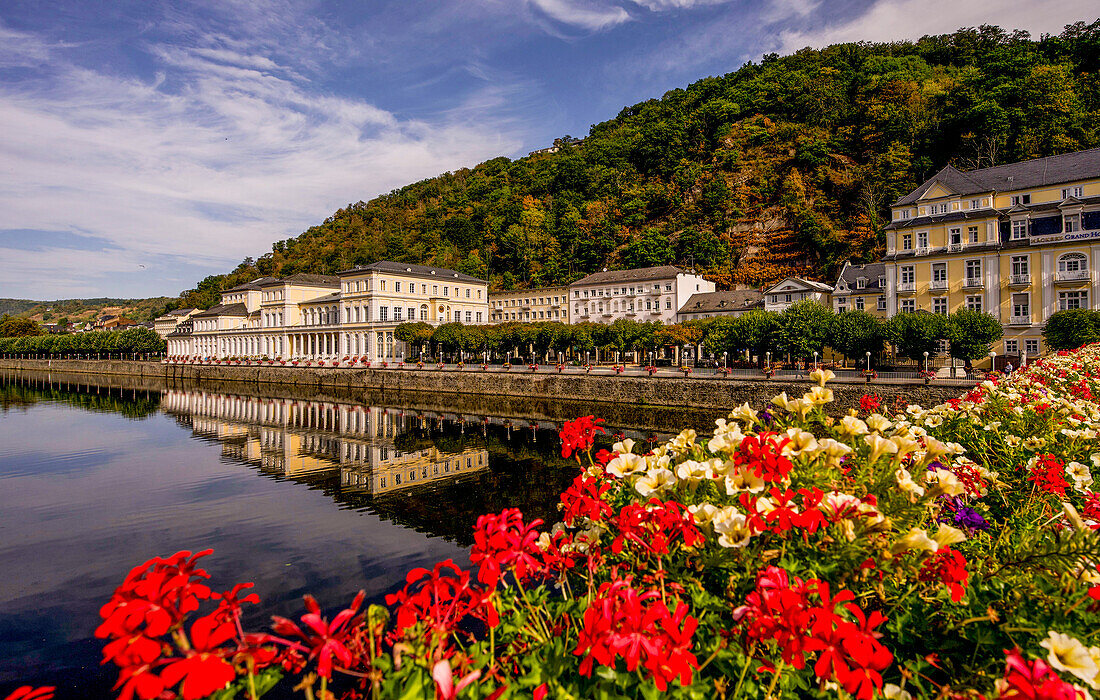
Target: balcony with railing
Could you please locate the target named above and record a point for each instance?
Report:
(955, 247)
(1071, 276)
(1019, 319)
(922, 250)
(907, 287)
(973, 283)
(938, 285)
(1020, 280)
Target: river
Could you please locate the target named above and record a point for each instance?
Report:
(298, 494)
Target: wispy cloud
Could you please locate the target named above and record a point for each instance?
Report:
(224, 152)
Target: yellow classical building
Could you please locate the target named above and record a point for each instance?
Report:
(1017, 241)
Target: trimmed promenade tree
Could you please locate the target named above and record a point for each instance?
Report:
(414, 334)
(972, 333)
(1071, 328)
(15, 327)
(856, 333)
(803, 329)
(913, 334)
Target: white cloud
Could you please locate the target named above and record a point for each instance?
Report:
(589, 17)
(892, 20)
(223, 153)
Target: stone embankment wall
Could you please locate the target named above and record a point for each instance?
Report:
(687, 392)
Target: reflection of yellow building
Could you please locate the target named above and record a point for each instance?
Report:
(381, 469)
(303, 438)
(1019, 241)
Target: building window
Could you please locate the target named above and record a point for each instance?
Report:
(1073, 262)
(908, 306)
(383, 312)
(882, 303)
(939, 305)
(788, 298)
(939, 273)
(842, 300)
(1072, 223)
(423, 312)
(972, 234)
(955, 236)
(1021, 199)
(861, 282)
(668, 303)
(397, 286)
(908, 274)
(469, 316)
(975, 204)
(1031, 346)
(907, 241)
(859, 303)
(1073, 300)
(974, 302)
(1019, 266)
(973, 269)
(467, 293)
(1021, 305)
(1012, 347)
(922, 239)
(1019, 229)
(1068, 192)
(668, 287)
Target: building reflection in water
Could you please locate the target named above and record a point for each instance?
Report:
(301, 439)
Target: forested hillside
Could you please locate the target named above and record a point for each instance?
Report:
(786, 166)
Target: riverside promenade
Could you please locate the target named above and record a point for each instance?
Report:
(700, 389)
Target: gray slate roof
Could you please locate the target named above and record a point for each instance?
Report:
(1039, 172)
(254, 284)
(816, 286)
(237, 309)
(181, 312)
(641, 274)
(719, 302)
(412, 269)
(872, 271)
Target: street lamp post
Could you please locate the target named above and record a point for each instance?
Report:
(993, 361)
(724, 359)
(769, 360)
(925, 360)
(867, 362)
(815, 359)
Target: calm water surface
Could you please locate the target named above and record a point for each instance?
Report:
(294, 494)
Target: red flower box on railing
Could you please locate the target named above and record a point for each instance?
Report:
(420, 365)
(533, 368)
(484, 367)
(384, 365)
(460, 366)
(686, 370)
(619, 369)
(561, 368)
(440, 365)
(588, 369)
(506, 366)
(651, 370)
(726, 371)
(769, 373)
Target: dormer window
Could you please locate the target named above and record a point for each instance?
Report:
(1071, 223)
(861, 283)
(937, 209)
(1018, 199)
(1019, 230)
(975, 204)
(904, 213)
(882, 282)
(1077, 192)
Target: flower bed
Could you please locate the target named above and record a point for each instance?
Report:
(939, 552)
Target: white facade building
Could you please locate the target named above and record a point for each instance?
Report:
(780, 296)
(645, 294)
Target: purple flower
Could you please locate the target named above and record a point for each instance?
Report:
(765, 417)
(970, 519)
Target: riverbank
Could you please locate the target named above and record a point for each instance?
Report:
(674, 392)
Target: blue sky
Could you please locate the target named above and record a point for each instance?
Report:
(147, 144)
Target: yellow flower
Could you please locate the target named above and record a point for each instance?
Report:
(879, 446)
(744, 413)
(878, 422)
(732, 527)
(624, 464)
(1069, 655)
(850, 425)
(627, 445)
(915, 539)
(821, 376)
(655, 481)
(905, 481)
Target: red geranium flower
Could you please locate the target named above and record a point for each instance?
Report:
(204, 670)
(322, 640)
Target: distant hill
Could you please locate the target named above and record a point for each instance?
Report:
(784, 166)
(82, 310)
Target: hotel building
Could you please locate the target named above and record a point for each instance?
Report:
(861, 288)
(712, 304)
(645, 294)
(1018, 241)
(544, 304)
(326, 317)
